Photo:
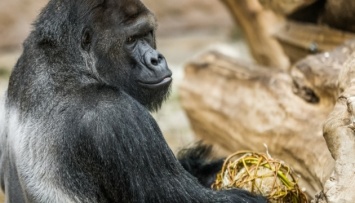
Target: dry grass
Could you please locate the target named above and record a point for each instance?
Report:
(260, 174)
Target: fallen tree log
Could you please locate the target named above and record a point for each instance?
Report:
(241, 106)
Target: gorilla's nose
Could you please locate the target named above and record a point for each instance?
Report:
(153, 59)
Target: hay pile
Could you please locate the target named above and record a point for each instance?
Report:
(260, 174)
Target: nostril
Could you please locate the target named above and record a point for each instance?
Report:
(154, 61)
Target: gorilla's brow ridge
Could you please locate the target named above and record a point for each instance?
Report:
(142, 24)
(92, 9)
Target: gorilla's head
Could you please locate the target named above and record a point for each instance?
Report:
(116, 42)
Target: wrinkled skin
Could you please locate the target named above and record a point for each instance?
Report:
(75, 123)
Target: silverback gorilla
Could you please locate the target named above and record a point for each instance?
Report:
(75, 123)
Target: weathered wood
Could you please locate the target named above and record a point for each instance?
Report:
(300, 39)
(258, 25)
(319, 74)
(339, 14)
(242, 106)
(285, 7)
(339, 132)
(290, 41)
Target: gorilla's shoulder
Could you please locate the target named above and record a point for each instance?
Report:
(98, 95)
(101, 101)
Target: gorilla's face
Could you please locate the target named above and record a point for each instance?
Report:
(121, 41)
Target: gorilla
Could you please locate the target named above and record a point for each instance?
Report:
(75, 124)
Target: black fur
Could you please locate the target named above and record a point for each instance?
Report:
(76, 125)
(197, 161)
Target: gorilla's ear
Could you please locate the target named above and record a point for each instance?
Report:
(86, 38)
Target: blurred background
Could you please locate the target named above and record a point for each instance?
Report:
(185, 29)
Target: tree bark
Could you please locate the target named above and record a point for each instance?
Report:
(339, 133)
(317, 75)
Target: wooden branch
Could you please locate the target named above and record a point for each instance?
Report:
(289, 41)
(300, 39)
(258, 26)
(242, 106)
(285, 7)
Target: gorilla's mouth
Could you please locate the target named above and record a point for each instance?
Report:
(154, 84)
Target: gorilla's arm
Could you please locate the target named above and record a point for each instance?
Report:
(106, 156)
(197, 161)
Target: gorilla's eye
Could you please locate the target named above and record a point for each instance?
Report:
(131, 40)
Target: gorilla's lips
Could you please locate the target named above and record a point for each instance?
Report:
(155, 84)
